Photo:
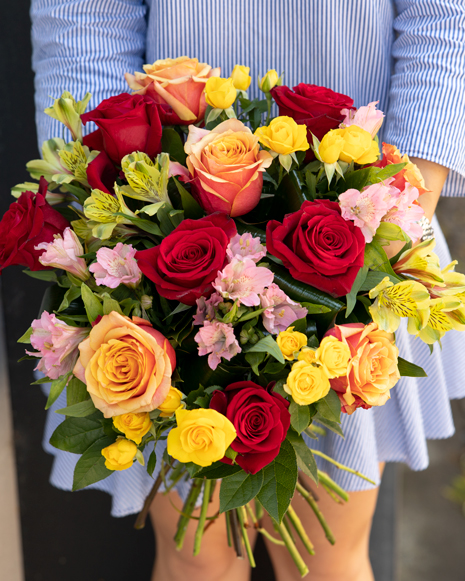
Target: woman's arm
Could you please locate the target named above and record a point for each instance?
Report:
(83, 46)
(435, 176)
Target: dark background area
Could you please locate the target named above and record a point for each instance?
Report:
(71, 536)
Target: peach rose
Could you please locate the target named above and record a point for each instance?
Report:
(179, 83)
(126, 365)
(226, 165)
(372, 370)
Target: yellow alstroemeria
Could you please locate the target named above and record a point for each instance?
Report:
(68, 111)
(421, 263)
(453, 285)
(394, 301)
(445, 314)
(148, 180)
(102, 210)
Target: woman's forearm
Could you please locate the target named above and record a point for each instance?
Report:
(435, 175)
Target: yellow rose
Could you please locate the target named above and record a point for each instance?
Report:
(358, 145)
(306, 383)
(290, 342)
(126, 365)
(202, 436)
(333, 355)
(283, 136)
(119, 455)
(330, 147)
(307, 354)
(269, 81)
(241, 78)
(172, 402)
(133, 426)
(220, 93)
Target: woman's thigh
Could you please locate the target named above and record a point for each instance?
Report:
(348, 559)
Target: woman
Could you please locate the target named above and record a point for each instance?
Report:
(409, 55)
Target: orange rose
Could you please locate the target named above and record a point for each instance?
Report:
(126, 365)
(226, 165)
(179, 83)
(372, 370)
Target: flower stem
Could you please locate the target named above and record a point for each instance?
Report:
(203, 514)
(142, 516)
(297, 524)
(329, 482)
(235, 533)
(245, 536)
(266, 534)
(252, 515)
(228, 528)
(187, 509)
(296, 556)
(342, 467)
(314, 506)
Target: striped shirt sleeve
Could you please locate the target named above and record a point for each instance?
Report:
(83, 46)
(427, 96)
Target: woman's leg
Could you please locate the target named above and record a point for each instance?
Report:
(350, 523)
(216, 561)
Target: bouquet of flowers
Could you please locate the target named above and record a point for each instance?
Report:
(219, 280)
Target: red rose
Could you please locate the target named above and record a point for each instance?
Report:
(126, 123)
(261, 419)
(316, 107)
(318, 246)
(27, 223)
(101, 173)
(186, 263)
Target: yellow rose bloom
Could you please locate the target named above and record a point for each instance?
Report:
(307, 354)
(202, 436)
(306, 383)
(241, 78)
(172, 402)
(119, 455)
(220, 93)
(133, 426)
(358, 146)
(283, 136)
(268, 81)
(334, 356)
(330, 147)
(291, 342)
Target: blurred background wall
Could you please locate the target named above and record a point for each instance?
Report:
(71, 537)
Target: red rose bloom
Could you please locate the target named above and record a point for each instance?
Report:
(184, 266)
(261, 419)
(126, 123)
(316, 107)
(318, 246)
(101, 173)
(27, 223)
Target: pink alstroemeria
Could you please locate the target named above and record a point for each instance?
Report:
(64, 252)
(243, 280)
(367, 208)
(116, 266)
(218, 340)
(280, 311)
(368, 118)
(406, 213)
(245, 246)
(57, 343)
(206, 309)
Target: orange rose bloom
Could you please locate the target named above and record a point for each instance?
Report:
(226, 165)
(179, 83)
(126, 365)
(372, 370)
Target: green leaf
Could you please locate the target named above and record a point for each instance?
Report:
(71, 294)
(58, 385)
(76, 391)
(90, 467)
(191, 208)
(92, 304)
(352, 296)
(374, 277)
(279, 480)
(78, 410)
(192, 468)
(152, 462)
(171, 143)
(330, 407)
(254, 359)
(381, 174)
(300, 416)
(316, 309)
(76, 435)
(388, 231)
(278, 388)
(267, 345)
(305, 460)
(110, 305)
(47, 275)
(179, 309)
(333, 426)
(376, 259)
(26, 338)
(239, 489)
(218, 470)
(145, 225)
(407, 369)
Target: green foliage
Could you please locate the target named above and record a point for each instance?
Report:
(267, 345)
(46, 275)
(331, 425)
(407, 369)
(330, 407)
(90, 467)
(76, 435)
(191, 208)
(358, 282)
(76, 391)
(78, 410)
(92, 303)
(171, 143)
(152, 462)
(239, 489)
(300, 416)
(305, 460)
(26, 338)
(218, 470)
(57, 386)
